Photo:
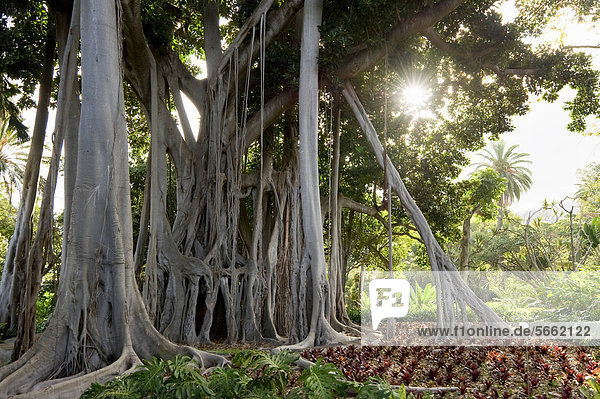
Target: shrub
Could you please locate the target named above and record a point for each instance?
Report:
(354, 314)
(254, 374)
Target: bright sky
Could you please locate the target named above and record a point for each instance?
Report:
(555, 152)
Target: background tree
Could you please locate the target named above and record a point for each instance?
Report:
(19, 282)
(13, 154)
(24, 31)
(508, 164)
(482, 196)
(588, 193)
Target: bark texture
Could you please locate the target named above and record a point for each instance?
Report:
(13, 283)
(100, 326)
(243, 258)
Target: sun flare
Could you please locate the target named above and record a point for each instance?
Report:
(416, 96)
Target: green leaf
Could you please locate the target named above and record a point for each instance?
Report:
(323, 381)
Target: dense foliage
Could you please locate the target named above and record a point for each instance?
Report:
(23, 32)
(483, 372)
(253, 374)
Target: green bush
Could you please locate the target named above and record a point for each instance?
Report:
(420, 297)
(425, 312)
(253, 374)
(44, 308)
(562, 297)
(354, 314)
(510, 313)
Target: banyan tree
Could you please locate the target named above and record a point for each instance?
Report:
(242, 257)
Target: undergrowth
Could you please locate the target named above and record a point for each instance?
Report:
(253, 374)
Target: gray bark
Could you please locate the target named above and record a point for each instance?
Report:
(12, 282)
(320, 330)
(100, 328)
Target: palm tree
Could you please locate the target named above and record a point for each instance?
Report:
(509, 165)
(13, 155)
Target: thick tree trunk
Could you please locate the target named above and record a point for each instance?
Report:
(100, 327)
(320, 330)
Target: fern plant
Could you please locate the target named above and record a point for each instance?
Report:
(229, 383)
(271, 372)
(177, 378)
(322, 381)
(254, 375)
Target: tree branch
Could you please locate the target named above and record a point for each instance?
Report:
(349, 203)
(365, 59)
(251, 22)
(359, 62)
(276, 21)
(212, 37)
(271, 111)
(474, 61)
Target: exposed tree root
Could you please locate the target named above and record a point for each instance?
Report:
(326, 336)
(72, 387)
(31, 376)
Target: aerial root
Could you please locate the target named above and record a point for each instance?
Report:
(207, 360)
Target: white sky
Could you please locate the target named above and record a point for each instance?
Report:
(555, 152)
